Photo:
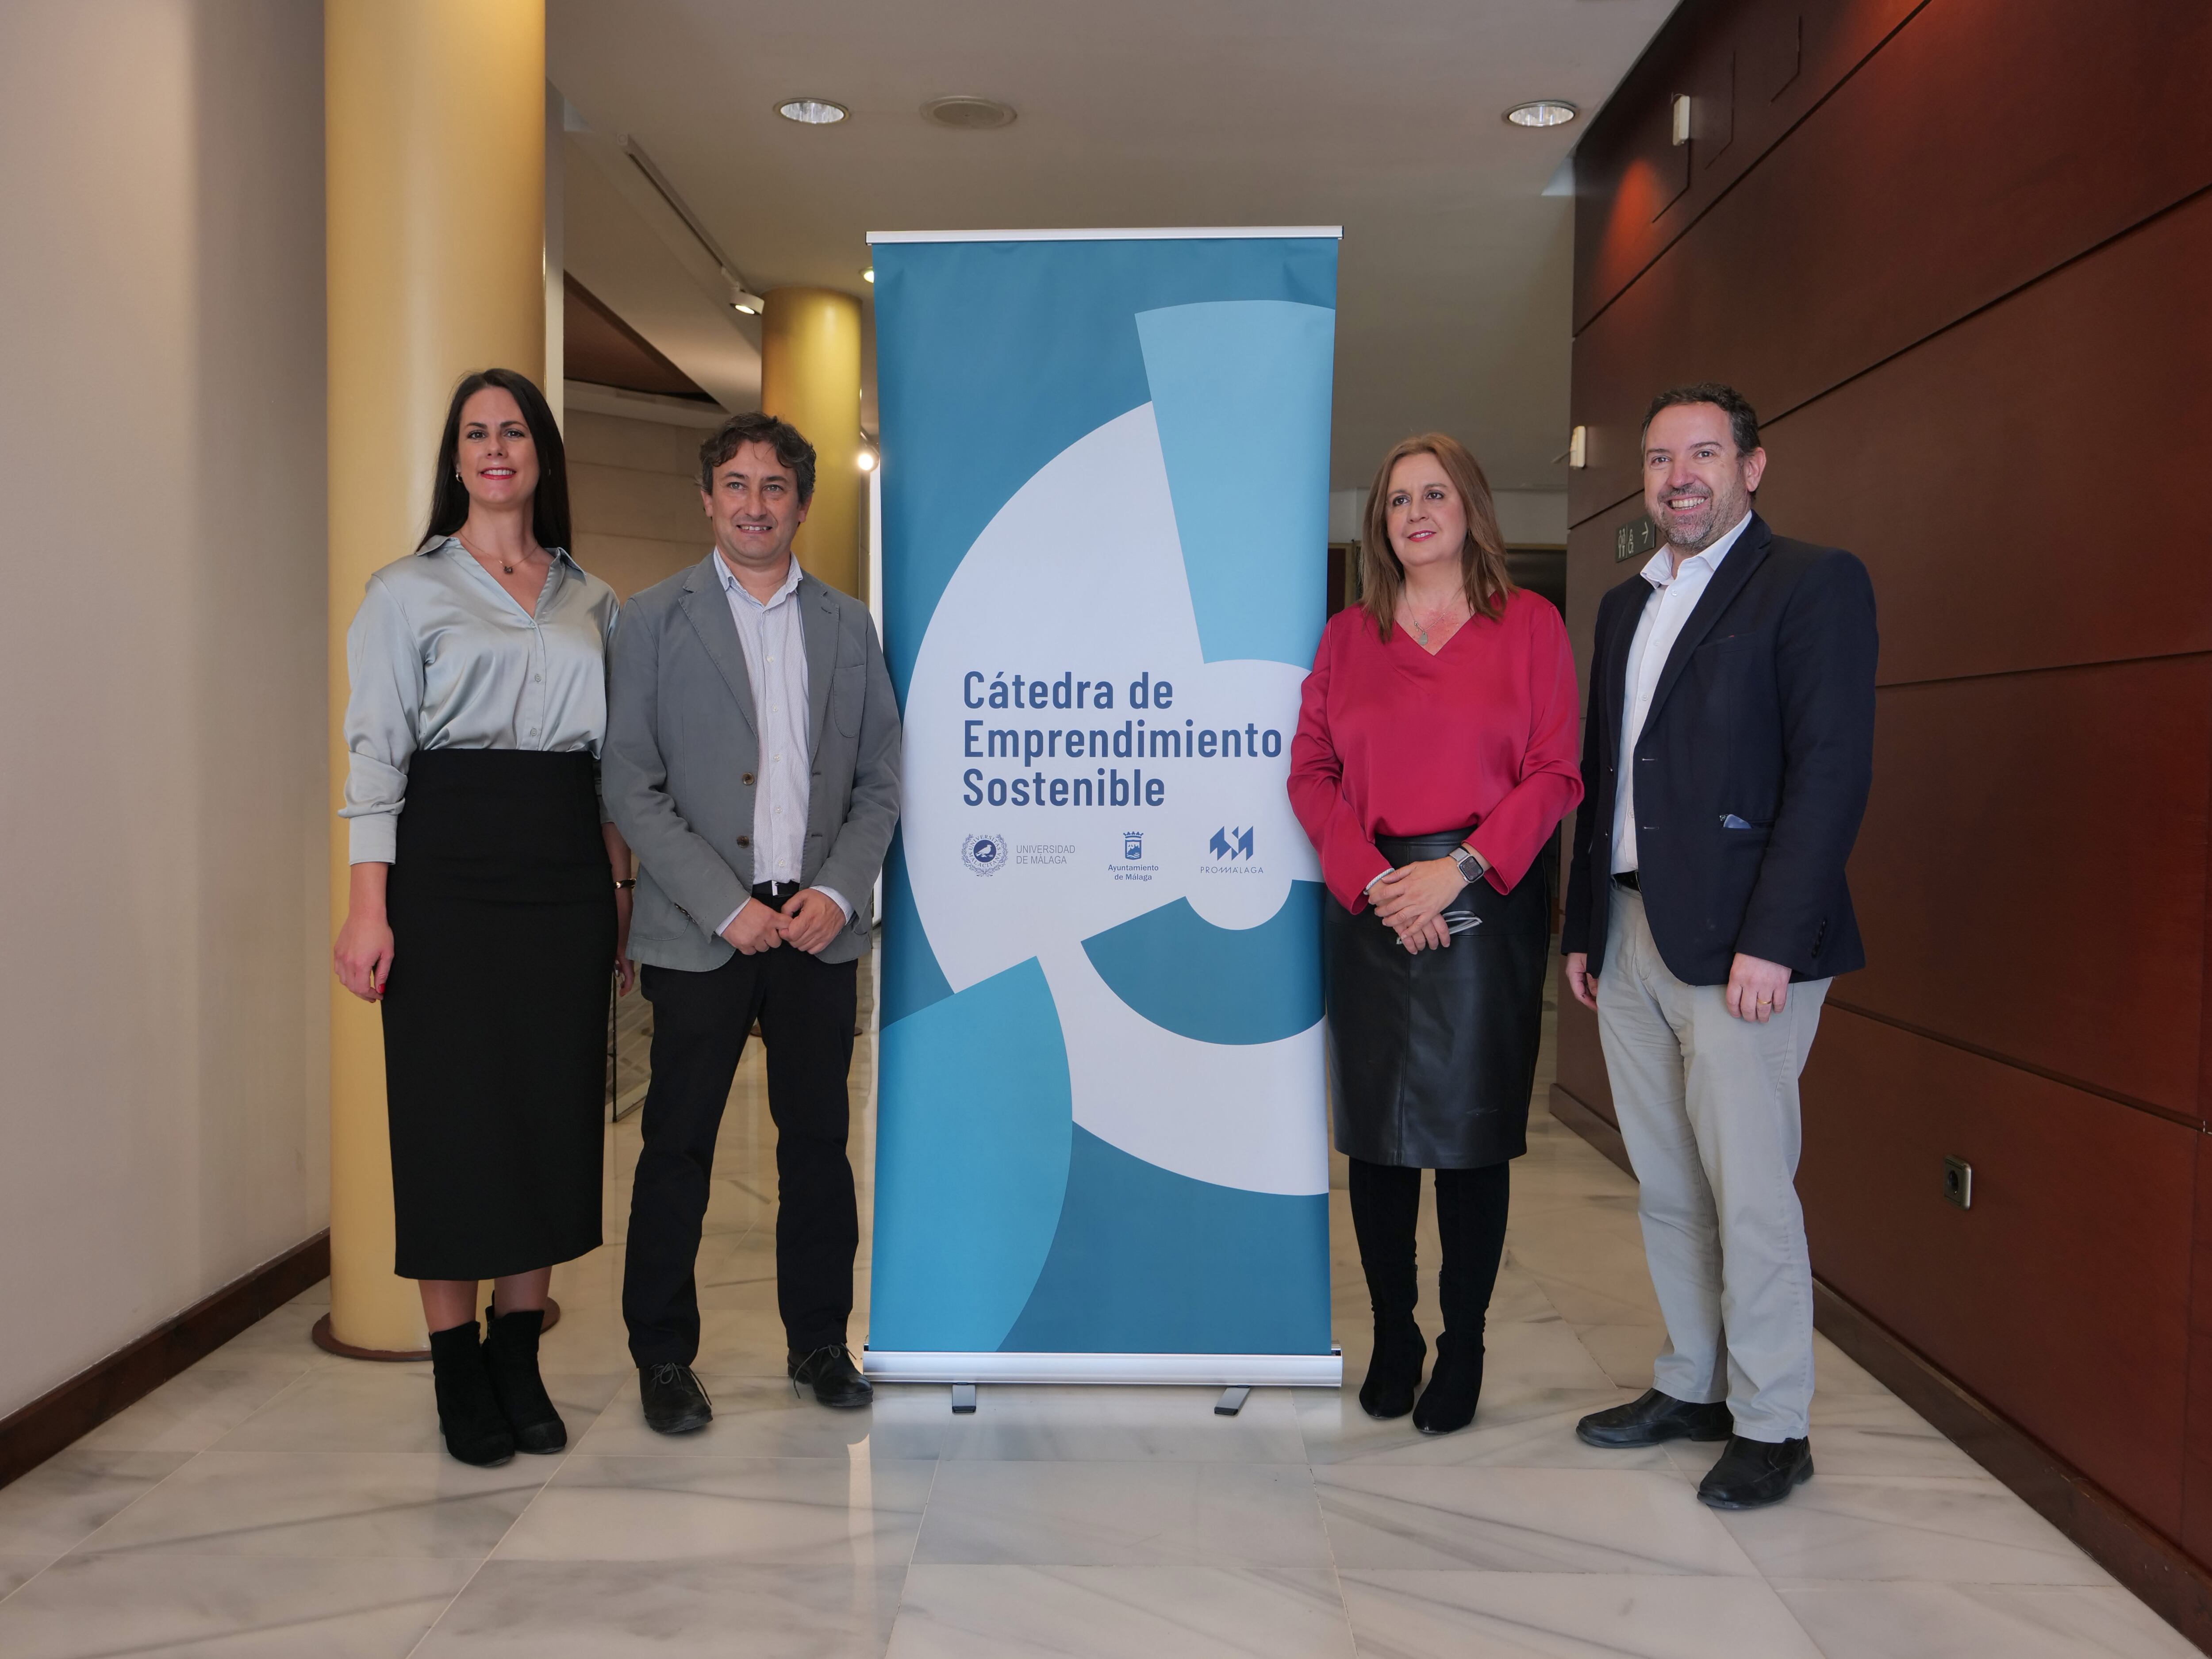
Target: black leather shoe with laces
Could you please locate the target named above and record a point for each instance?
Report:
(674, 1401)
(1754, 1473)
(1653, 1418)
(836, 1382)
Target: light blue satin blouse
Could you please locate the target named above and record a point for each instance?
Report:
(442, 656)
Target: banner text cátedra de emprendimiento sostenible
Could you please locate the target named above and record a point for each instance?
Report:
(1136, 739)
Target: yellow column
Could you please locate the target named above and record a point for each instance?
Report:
(811, 377)
(434, 159)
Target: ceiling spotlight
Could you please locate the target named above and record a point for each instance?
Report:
(968, 114)
(1542, 112)
(812, 112)
(867, 460)
(867, 273)
(747, 304)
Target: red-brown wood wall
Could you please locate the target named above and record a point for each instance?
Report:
(1959, 254)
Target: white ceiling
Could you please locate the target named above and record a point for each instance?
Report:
(1382, 116)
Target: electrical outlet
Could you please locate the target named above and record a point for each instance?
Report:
(1959, 1182)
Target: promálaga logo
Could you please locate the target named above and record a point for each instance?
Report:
(1230, 844)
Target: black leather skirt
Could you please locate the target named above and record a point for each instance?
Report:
(1432, 1056)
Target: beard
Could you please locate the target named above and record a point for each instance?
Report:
(1699, 528)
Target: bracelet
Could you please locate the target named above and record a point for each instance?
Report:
(622, 886)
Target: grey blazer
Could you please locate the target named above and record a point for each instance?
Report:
(682, 743)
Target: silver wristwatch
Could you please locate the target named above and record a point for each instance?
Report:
(1470, 863)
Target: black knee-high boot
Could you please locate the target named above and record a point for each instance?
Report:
(1471, 1206)
(1386, 1202)
(511, 1356)
(469, 1416)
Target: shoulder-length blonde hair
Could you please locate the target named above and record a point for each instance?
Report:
(1481, 557)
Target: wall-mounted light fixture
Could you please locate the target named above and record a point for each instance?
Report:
(1542, 112)
(742, 299)
(1682, 117)
(812, 112)
(1578, 447)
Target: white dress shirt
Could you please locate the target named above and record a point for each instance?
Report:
(439, 656)
(774, 644)
(1681, 583)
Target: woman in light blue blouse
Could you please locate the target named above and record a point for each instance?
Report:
(489, 900)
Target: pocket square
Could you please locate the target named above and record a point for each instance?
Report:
(1732, 822)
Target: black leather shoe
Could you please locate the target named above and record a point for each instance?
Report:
(674, 1401)
(1394, 1371)
(838, 1383)
(1754, 1473)
(510, 1351)
(468, 1411)
(1654, 1418)
(1447, 1404)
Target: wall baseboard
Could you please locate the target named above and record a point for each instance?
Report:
(68, 1411)
(2151, 1565)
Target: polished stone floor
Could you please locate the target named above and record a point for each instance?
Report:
(274, 1501)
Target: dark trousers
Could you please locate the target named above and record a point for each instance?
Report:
(806, 1008)
(1471, 1206)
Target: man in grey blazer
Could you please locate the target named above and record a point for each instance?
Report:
(751, 759)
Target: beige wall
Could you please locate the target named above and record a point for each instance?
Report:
(633, 496)
(162, 820)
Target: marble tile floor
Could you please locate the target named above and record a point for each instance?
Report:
(276, 1501)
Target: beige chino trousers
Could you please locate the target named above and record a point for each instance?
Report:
(1708, 1106)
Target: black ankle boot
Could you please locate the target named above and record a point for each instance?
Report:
(468, 1411)
(1393, 1370)
(1448, 1403)
(510, 1351)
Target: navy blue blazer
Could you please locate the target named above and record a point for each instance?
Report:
(1752, 769)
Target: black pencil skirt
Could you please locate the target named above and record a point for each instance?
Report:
(502, 904)
(1432, 1056)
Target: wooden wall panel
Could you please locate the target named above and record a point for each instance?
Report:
(1636, 193)
(1581, 1062)
(1959, 470)
(2196, 1457)
(1845, 244)
(2061, 1296)
(2030, 877)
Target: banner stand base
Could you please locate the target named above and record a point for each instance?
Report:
(1225, 1370)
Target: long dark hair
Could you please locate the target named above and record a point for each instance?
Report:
(1481, 557)
(449, 496)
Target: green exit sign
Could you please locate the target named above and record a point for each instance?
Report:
(1637, 535)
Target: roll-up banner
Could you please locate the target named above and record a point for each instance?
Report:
(1101, 1148)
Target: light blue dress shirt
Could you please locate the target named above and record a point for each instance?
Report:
(440, 656)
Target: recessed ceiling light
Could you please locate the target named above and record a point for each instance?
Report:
(867, 273)
(812, 112)
(968, 114)
(1542, 112)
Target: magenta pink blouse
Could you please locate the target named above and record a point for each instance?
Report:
(1392, 741)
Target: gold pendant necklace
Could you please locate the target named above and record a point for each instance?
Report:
(509, 568)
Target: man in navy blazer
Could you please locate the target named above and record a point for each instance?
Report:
(1726, 757)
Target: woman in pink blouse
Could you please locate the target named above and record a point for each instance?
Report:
(1435, 756)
